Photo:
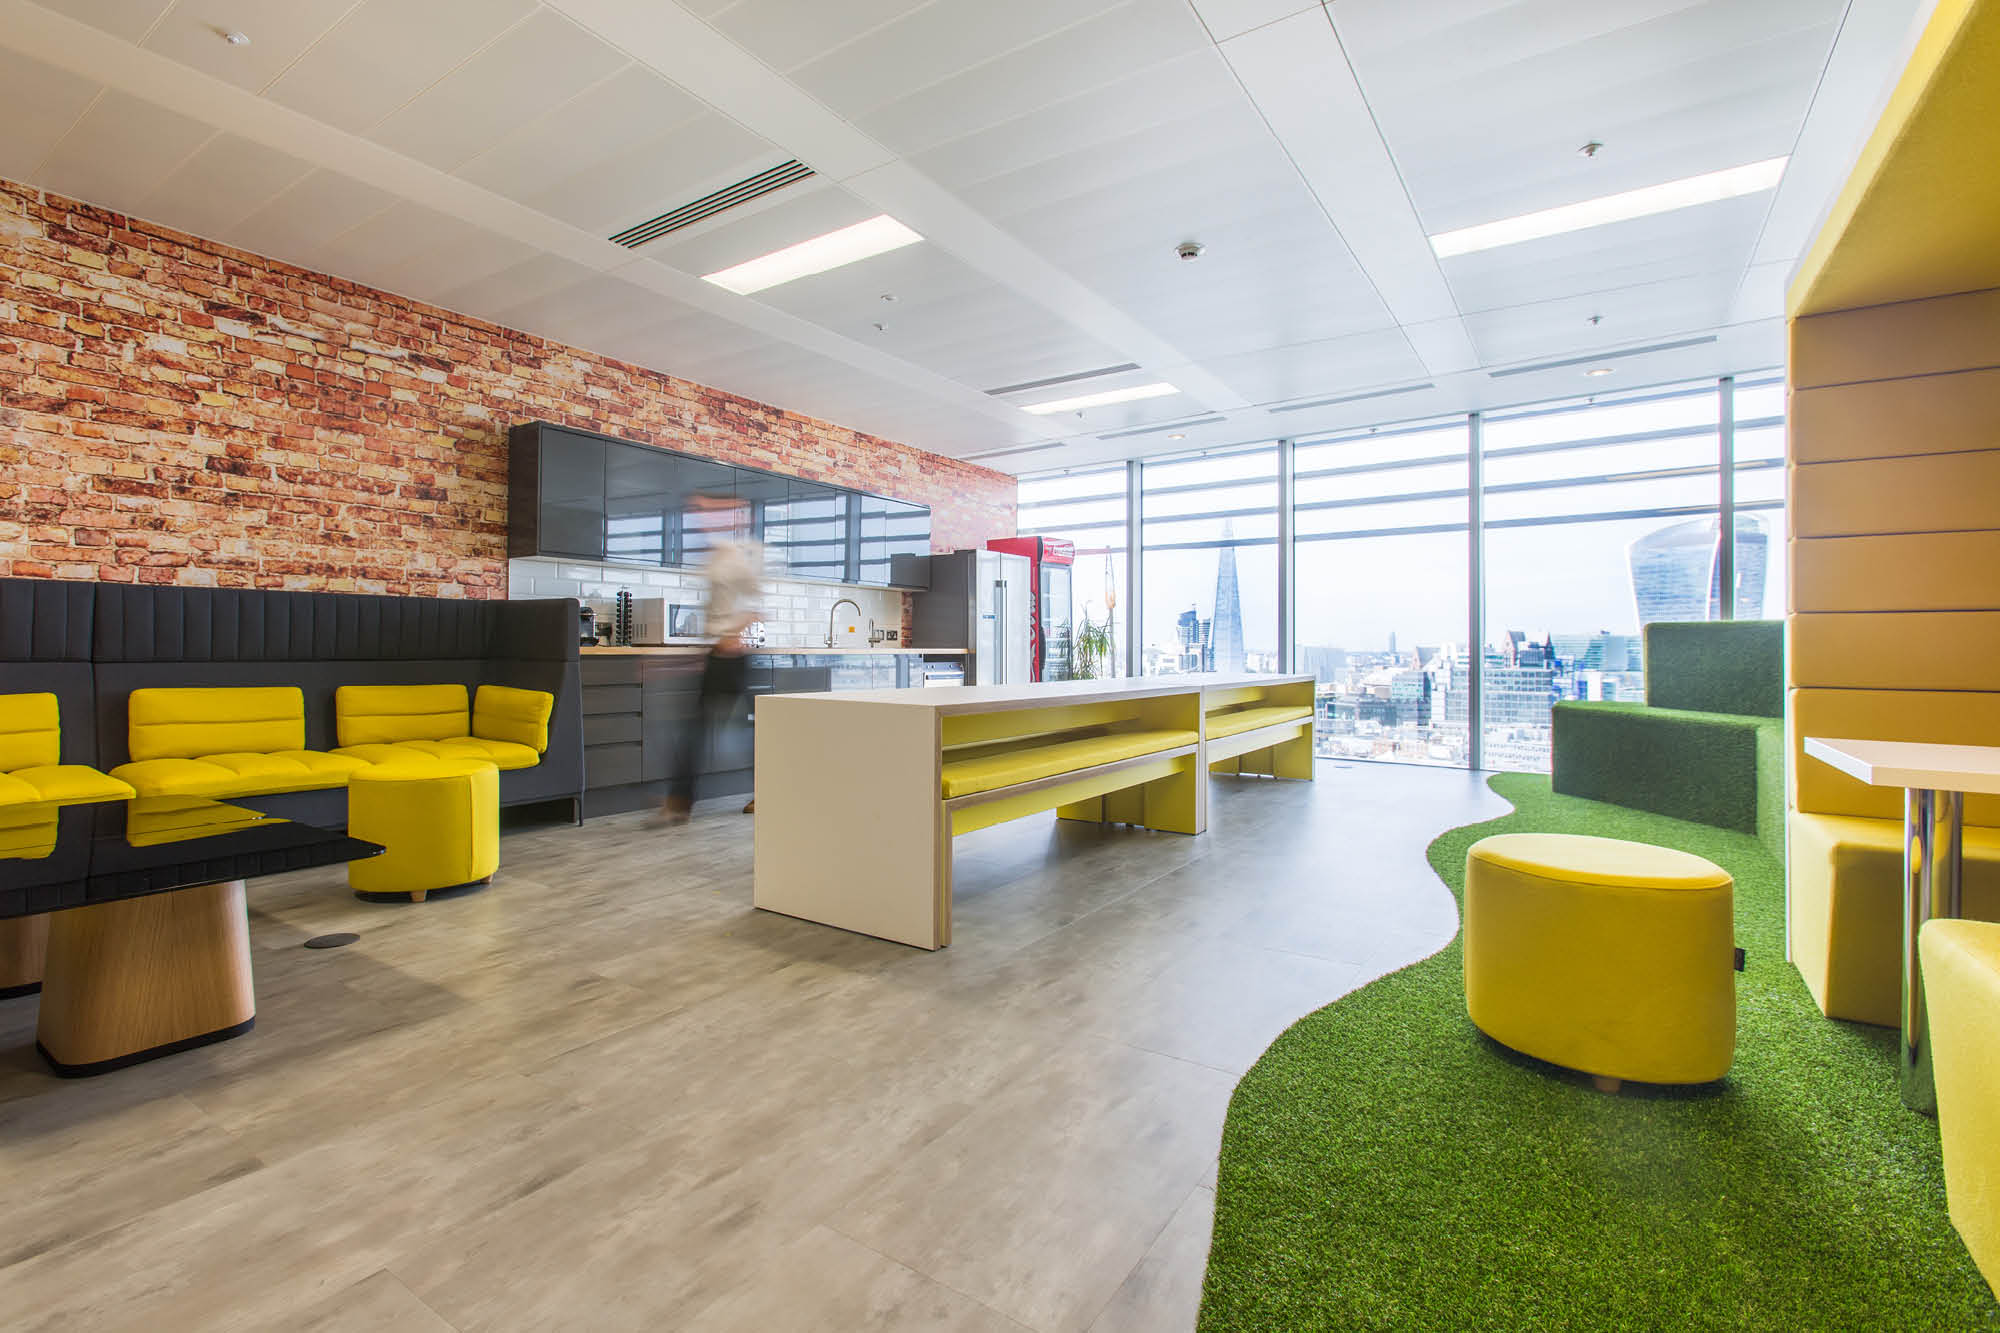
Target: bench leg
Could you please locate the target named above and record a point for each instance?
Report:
(1088, 812)
(1294, 758)
(1175, 804)
(24, 943)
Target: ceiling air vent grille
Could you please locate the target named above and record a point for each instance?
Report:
(729, 196)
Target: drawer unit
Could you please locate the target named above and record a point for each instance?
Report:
(610, 728)
(610, 765)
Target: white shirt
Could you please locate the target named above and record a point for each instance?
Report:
(735, 572)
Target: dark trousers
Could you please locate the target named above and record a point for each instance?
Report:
(725, 679)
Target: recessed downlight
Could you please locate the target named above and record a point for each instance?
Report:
(1599, 372)
(1132, 394)
(1177, 435)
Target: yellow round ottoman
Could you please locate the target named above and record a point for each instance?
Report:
(439, 820)
(1615, 958)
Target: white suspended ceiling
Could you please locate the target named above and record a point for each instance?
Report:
(477, 154)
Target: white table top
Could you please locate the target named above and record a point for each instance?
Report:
(992, 698)
(1962, 768)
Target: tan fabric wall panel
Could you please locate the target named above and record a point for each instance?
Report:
(1932, 493)
(1932, 571)
(1892, 341)
(1939, 650)
(1928, 414)
(1902, 715)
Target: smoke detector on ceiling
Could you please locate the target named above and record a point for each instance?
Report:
(1190, 249)
(234, 37)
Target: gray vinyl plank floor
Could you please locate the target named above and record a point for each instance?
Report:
(606, 1093)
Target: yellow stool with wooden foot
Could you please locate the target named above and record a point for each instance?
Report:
(1962, 988)
(439, 820)
(1614, 958)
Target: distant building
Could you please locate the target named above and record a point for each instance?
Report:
(1225, 645)
(1677, 570)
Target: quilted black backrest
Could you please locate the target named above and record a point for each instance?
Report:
(45, 628)
(135, 624)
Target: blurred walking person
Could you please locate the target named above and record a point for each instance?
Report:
(733, 575)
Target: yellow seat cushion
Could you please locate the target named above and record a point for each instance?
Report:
(1962, 988)
(196, 723)
(989, 772)
(438, 819)
(503, 755)
(30, 731)
(225, 775)
(1238, 721)
(1846, 905)
(27, 832)
(13, 792)
(385, 714)
(72, 784)
(1614, 958)
(503, 713)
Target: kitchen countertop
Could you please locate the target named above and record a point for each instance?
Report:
(642, 650)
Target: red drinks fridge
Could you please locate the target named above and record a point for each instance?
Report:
(1049, 561)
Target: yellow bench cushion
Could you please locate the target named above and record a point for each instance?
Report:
(1962, 986)
(504, 755)
(503, 713)
(224, 775)
(1847, 908)
(30, 731)
(386, 714)
(1615, 958)
(194, 723)
(1237, 722)
(64, 784)
(990, 772)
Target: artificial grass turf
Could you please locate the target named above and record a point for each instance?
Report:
(1725, 769)
(1717, 666)
(1384, 1165)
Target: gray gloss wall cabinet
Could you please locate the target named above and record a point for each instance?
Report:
(585, 496)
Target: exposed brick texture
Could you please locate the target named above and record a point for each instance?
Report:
(176, 411)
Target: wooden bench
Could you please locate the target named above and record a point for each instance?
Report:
(1259, 725)
(860, 793)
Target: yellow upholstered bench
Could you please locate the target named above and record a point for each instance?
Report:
(1614, 958)
(31, 767)
(1007, 768)
(437, 819)
(1962, 987)
(224, 742)
(1259, 725)
(507, 727)
(1236, 721)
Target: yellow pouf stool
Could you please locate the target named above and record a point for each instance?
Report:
(1962, 989)
(1615, 958)
(439, 820)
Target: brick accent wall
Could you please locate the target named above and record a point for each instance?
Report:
(176, 411)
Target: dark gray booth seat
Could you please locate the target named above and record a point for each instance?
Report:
(92, 644)
(45, 649)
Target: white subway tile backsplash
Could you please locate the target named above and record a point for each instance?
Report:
(795, 614)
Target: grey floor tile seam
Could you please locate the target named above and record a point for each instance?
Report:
(1145, 1254)
(398, 1279)
(910, 1268)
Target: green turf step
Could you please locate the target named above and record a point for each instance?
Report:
(1722, 769)
(1717, 666)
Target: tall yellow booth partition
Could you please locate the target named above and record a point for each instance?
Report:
(1894, 494)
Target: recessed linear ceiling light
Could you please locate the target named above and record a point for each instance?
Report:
(1596, 372)
(864, 240)
(1104, 399)
(1708, 189)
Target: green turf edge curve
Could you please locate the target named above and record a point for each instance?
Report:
(1385, 1166)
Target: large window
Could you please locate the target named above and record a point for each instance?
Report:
(1210, 571)
(1087, 507)
(1381, 575)
(1598, 515)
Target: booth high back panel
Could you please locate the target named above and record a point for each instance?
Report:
(1895, 542)
(45, 647)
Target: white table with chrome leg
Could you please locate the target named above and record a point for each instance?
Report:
(1936, 780)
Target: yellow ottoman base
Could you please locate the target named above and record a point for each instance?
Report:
(1614, 958)
(439, 820)
(1962, 988)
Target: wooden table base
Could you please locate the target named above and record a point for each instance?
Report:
(135, 980)
(24, 941)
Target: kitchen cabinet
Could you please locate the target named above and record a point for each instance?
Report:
(581, 495)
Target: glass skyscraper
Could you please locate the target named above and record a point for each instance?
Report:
(1677, 573)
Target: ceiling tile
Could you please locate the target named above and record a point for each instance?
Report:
(121, 18)
(657, 176)
(490, 296)
(530, 70)
(799, 212)
(38, 104)
(220, 185)
(1281, 374)
(279, 30)
(632, 108)
(121, 151)
(785, 34)
(297, 225)
(376, 59)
